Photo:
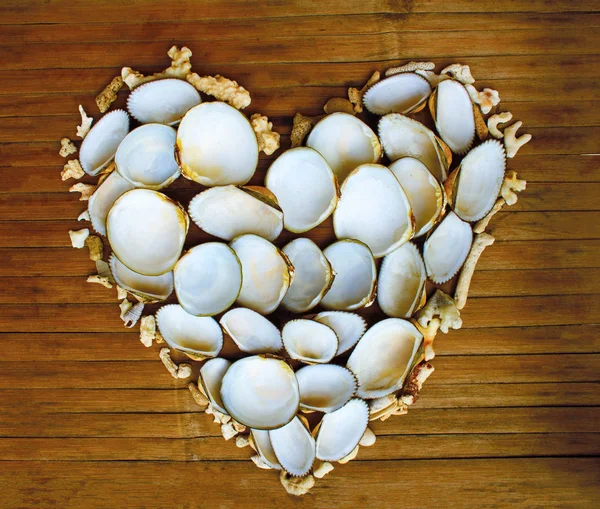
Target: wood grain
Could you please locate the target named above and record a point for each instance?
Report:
(510, 417)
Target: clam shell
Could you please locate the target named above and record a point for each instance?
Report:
(261, 392)
(305, 187)
(384, 357)
(146, 231)
(266, 273)
(452, 111)
(345, 142)
(211, 379)
(374, 209)
(199, 336)
(216, 145)
(355, 276)
(339, 432)
(229, 211)
(404, 137)
(309, 341)
(446, 248)
(474, 186)
(148, 289)
(401, 93)
(145, 157)
(325, 387)
(262, 441)
(294, 447)
(208, 279)
(103, 199)
(401, 283)
(313, 275)
(100, 145)
(348, 327)
(162, 101)
(251, 331)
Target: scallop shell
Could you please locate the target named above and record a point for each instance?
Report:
(401, 93)
(251, 331)
(294, 447)
(309, 341)
(147, 289)
(325, 387)
(348, 327)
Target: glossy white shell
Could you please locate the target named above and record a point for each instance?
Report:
(103, 199)
(294, 447)
(211, 378)
(251, 331)
(309, 341)
(325, 387)
(453, 116)
(401, 93)
(262, 442)
(147, 288)
(348, 327)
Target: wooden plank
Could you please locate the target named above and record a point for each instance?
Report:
(214, 448)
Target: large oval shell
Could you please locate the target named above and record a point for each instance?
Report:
(313, 275)
(294, 447)
(216, 145)
(446, 248)
(339, 432)
(309, 341)
(384, 356)
(146, 231)
(401, 283)
(208, 279)
(401, 93)
(146, 158)
(348, 327)
(229, 211)
(345, 142)
(452, 111)
(261, 392)
(162, 101)
(251, 331)
(198, 336)
(474, 186)
(404, 137)
(374, 209)
(424, 192)
(305, 187)
(100, 144)
(355, 276)
(211, 379)
(103, 199)
(146, 288)
(266, 273)
(325, 387)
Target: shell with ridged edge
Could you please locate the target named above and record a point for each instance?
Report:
(325, 387)
(309, 341)
(294, 447)
(402, 93)
(348, 327)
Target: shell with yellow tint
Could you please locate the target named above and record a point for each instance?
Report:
(402, 93)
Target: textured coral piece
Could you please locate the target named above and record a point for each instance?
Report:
(411, 67)
(72, 170)
(321, 469)
(219, 417)
(495, 120)
(165, 357)
(86, 190)
(487, 98)
(100, 280)
(442, 306)
(228, 430)
(184, 371)
(511, 186)
(67, 147)
(339, 104)
(94, 244)
(268, 140)
(242, 441)
(296, 485)
(481, 241)
(460, 73)
(429, 334)
(78, 237)
(121, 293)
(86, 123)
(368, 439)
(301, 127)
(482, 224)
(109, 94)
(180, 68)
(222, 89)
(147, 330)
(433, 78)
(84, 216)
(512, 144)
(199, 398)
(355, 95)
(415, 382)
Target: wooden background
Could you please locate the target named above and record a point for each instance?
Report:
(90, 418)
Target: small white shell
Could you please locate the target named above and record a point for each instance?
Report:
(251, 331)
(309, 341)
(100, 145)
(196, 335)
(325, 387)
(262, 441)
(401, 93)
(162, 101)
(103, 199)
(348, 327)
(211, 378)
(294, 447)
(147, 288)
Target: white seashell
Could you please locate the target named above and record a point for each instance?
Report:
(423, 190)
(251, 331)
(208, 279)
(446, 249)
(452, 111)
(146, 231)
(404, 137)
(266, 273)
(401, 283)
(374, 209)
(401, 93)
(147, 288)
(162, 101)
(384, 357)
(146, 157)
(216, 145)
(268, 401)
(100, 145)
(313, 275)
(345, 142)
(355, 276)
(348, 327)
(325, 387)
(305, 187)
(230, 211)
(340, 432)
(211, 379)
(309, 341)
(262, 441)
(103, 199)
(195, 335)
(294, 447)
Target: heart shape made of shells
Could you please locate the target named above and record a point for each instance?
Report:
(301, 395)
